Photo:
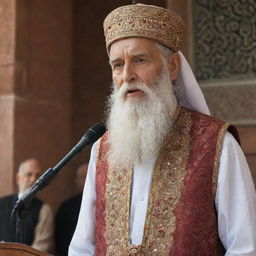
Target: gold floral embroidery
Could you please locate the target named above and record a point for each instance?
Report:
(169, 173)
(117, 211)
(167, 187)
(117, 217)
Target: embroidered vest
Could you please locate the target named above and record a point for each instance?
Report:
(181, 217)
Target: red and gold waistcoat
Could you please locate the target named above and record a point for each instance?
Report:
(181, 217)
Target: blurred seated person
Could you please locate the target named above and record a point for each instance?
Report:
(39, 221)
(66, 218)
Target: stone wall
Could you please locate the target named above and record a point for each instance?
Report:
(221, 51)
(35, 89)
(7, 97)
(55, 77)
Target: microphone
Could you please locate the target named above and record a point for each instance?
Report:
(23, 204)
(93, 134)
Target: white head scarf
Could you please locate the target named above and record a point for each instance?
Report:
(189, 93)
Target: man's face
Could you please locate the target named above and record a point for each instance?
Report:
(27, 175)
(135, 60)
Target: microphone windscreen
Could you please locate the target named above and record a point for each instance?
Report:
(95, 132)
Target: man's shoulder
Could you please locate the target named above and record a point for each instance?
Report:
(36, 202)
(208, 122)
(202, 116)
(14, 197)
(8, 198)
(71, 202)
(7, 202)
(73, 199)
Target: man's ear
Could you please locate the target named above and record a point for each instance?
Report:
(174, 65)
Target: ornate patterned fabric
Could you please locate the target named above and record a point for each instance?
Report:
(147, 21)
(181, 217)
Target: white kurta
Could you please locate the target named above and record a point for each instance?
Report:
(235, 202)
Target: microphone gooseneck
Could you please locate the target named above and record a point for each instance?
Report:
(93, 134)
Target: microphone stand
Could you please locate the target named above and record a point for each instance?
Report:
(22, 206)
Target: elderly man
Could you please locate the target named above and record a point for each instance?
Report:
(167, 178)
(39, 222)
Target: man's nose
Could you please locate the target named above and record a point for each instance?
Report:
(129, 74)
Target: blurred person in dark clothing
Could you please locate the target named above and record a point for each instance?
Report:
(67, 215)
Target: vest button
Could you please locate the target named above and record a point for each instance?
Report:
(133, 251)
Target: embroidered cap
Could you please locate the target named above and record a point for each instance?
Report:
(146, 21)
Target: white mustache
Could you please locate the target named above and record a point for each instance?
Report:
(127, 87)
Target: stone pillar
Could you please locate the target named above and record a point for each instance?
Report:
(35, 87)
(7, 98)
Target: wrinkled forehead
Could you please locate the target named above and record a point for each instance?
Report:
(133, 46)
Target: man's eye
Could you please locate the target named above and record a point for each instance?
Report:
(140, 60)
(117, 65)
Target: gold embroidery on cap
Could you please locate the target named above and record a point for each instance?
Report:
(145, 21)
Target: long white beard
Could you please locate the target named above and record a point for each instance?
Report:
(138, 126)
